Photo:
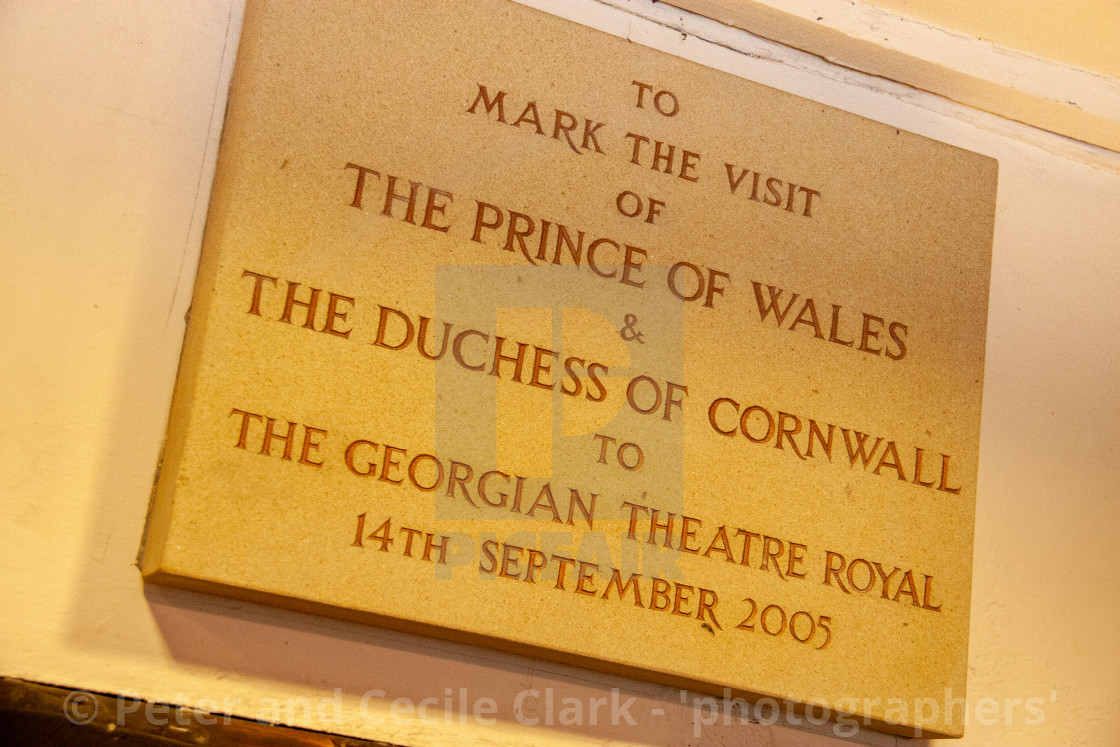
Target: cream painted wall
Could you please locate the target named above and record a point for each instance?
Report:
(948, 60)
(1077, 32)
(110, 114)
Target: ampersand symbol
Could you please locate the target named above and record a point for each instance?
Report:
(628, 332)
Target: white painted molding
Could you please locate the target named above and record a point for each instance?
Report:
(1050, 95)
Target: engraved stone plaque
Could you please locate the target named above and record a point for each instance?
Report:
(519, 334)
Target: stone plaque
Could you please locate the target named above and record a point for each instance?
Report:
(516, 333)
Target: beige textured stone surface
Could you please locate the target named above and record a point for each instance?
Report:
(887, 232)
